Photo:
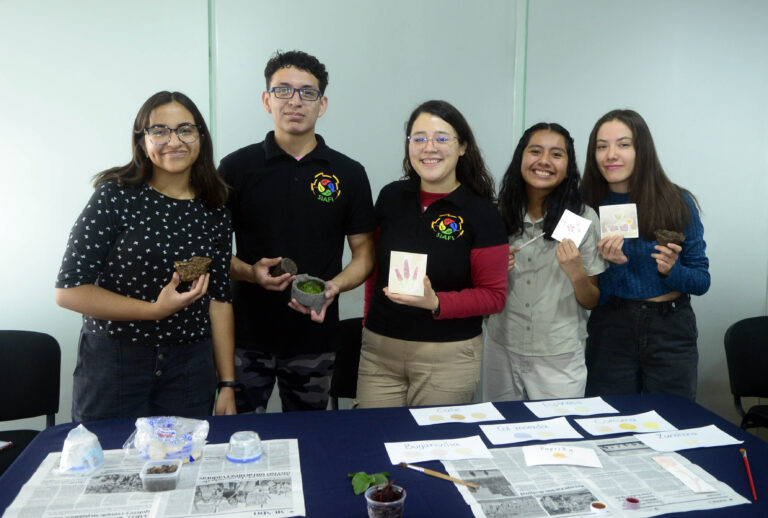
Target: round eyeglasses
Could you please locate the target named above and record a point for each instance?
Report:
(442, 140)
(160, 134)
(287, 92)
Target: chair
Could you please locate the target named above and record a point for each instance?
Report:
(30, 370)
(344, 379)
(746, 351)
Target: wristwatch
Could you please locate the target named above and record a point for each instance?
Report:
(231, 384)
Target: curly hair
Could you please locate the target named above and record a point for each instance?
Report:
(470, 169)
(513, 199)
(206, 182)
(300, 60)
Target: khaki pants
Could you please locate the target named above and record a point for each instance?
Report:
(405, 373)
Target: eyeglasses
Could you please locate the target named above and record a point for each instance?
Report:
(160, 135)
(286, 92)
(437, 140)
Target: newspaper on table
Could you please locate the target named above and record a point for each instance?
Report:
(211, 486)
(509, 488)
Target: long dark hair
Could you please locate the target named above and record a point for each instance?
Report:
(513, 199)
(205, 181)
(660, 203)
(470, 169)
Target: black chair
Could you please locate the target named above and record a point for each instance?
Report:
(746, 351)
(30, 371)
(344, 380)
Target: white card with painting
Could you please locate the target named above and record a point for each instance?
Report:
(406, 273)
(618, 220)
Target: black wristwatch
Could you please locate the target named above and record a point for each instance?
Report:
(231, 384)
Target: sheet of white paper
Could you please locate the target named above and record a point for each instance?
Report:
(506, 433)
(704, 437)
(571, 226)
(555, 454)
(457, 414)
(684, 475)
(558, 407)
(406, 273)
(618, 220)
(647, 422)
(438, 449)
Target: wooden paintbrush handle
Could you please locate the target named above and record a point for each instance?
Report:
(447, 477)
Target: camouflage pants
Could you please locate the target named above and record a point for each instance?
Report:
(303, 380)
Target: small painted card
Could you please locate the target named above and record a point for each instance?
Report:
(571, 226)
(704, 437)
(581, 406)
(554, 454)
(618, 220)
(406, 273)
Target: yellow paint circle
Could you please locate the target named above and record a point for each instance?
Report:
(458, 417)
(478, 415)
(435, 418)
(651, 425)
(604, 428)
(628, 426)
(559, 455)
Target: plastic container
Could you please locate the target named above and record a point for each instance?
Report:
(244, 447)
(167, 479)
(384, 509)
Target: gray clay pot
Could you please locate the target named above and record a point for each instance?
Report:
(311, 300)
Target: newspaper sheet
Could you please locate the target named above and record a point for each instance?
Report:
(509, 488)
(211, 486)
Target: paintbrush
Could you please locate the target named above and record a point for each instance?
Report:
(529, 241)
(437, 474)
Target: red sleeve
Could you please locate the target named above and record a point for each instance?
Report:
(489, 292)
(370, 282)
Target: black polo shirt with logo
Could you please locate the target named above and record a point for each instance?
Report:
(301, 209)
(447, 232)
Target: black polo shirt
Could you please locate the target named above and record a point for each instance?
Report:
(447, 232)
(302, 209)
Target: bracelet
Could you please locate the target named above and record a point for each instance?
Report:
(436, 312)
(230, 384)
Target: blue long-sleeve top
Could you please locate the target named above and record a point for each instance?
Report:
(639, 277)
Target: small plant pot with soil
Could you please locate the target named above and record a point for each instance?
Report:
(385, 501)
(309, 291)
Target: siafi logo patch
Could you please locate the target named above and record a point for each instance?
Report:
(448, 227)
(326, 187)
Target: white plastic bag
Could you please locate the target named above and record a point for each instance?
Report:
(159, 438)
(81, 453)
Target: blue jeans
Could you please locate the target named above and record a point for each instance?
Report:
(114, 379)
(637, 347)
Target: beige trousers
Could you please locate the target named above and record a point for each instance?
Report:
(405, 373)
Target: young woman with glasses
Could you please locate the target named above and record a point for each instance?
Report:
(151, 344)
(642, 336)
(535, 346)
(426, 350)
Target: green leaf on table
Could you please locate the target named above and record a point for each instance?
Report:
(362, 480)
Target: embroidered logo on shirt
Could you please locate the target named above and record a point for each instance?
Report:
(448, 227)
(326, 187)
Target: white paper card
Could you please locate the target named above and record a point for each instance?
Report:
(553, 454)
(571, 226)
(506, 433)
(684, 475)
(704, 437)
(406, 273)
(438, 449)
(558, 407)
(618, 220)
(456, 414)
(647, 422)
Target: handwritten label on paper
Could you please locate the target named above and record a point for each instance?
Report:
(558, 407)
(557, 428)
(647, 422)
(456, 414)
(704, 437)
(441, 449)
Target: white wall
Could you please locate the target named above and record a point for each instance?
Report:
(72, 78)
(73, 75)
(383, 59)
(696, 72)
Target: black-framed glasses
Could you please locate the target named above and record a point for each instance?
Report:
(286, 92)
(437, 140)
(160, 134)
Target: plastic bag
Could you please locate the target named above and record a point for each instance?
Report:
(81, 453)
(159, 438)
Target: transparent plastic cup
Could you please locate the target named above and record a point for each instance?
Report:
(244, 447)
(384, 509)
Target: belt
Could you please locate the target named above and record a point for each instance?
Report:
(667, 306)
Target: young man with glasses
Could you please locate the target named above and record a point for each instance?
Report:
(293, 197)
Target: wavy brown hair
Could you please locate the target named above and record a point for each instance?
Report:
(470, 169)
(206, 182)
(660, 202)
